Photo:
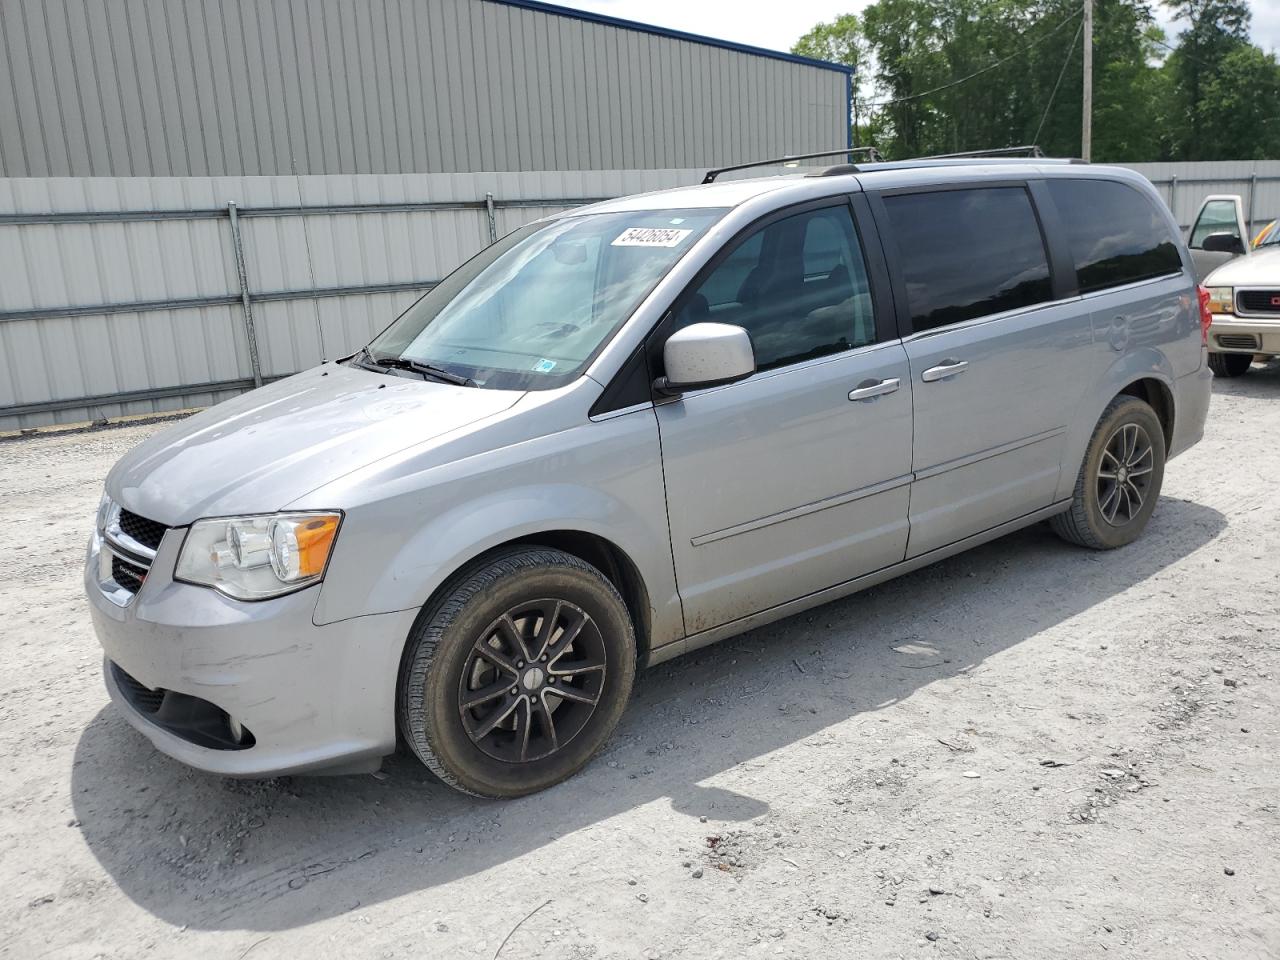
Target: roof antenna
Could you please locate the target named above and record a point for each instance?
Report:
(311, 267)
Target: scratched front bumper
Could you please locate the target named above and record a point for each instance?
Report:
(316, 699)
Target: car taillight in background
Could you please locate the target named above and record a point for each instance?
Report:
(1206, 317)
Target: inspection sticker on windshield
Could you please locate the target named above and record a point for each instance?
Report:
(544, 366)
(650, 237)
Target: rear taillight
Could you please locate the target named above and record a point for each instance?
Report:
(1206, 317)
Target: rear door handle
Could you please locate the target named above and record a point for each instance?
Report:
(944, 370)
(870, 389)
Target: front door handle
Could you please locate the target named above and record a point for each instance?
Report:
(947, 368)
(870, 389)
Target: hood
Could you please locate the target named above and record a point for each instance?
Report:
(1260, 268)
(266, 448)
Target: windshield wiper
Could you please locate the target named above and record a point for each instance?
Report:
(417, 366)
(363, 359)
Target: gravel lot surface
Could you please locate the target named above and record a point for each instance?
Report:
(1027, 751)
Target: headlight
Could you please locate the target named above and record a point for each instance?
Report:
(1220, 300)
(253, 558)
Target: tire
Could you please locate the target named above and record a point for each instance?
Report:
(1104, 514)
(486, 638)
(1230, 364)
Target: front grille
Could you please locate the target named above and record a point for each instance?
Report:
(1259, 301)
(1238, 341)
(146, 532)
(126, 574)
(143, 698)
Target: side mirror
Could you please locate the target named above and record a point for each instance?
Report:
(705, 355)
(1223, 243)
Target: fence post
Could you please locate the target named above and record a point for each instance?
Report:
(245, 306)
(1173, 198)
(1248, 223)
(493, 220)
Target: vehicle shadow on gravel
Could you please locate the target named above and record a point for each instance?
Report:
(210, 853)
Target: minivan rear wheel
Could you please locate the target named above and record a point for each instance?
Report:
(1230, 364)
(514, 679)
(1119, 481)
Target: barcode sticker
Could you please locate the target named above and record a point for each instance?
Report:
(650, 237)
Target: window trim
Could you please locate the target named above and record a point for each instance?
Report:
(1131, 285)
(873, 260)
(1063, 281)
(1058, 288)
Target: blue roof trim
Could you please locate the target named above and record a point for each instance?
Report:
(590, 17)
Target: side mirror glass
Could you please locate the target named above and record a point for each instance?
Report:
(1223, 243)
(705, 355)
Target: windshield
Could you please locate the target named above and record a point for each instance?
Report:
(1271, 235)
(530, 311)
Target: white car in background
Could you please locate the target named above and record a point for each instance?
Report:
(1243, 282)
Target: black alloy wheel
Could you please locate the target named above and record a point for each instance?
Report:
(517, 672)
(532, 680)
(1119, 480)
(1124, 474)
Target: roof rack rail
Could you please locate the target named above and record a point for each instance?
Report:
(1028, 150)
(872, 155)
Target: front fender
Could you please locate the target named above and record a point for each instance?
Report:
(1140, 364)
(416, 527)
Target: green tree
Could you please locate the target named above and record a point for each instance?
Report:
(939, 76)
(1237, 110)
(1215, 29)
(1128, 90)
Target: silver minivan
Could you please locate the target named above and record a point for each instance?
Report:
(627, 431)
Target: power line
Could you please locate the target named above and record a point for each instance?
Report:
(1061, 73)
(1182, 53)
(977, 73)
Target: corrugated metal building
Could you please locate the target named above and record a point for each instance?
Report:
(126, 88)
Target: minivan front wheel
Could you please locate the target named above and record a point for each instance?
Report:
(1119, 481)
(512, 681)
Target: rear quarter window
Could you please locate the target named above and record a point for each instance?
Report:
(1116, 234)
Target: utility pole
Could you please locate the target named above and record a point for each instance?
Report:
(1086, 125)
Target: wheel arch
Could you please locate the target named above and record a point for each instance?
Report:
(1145, 374)
(599, 551)
(1157, 395)
(611, 560)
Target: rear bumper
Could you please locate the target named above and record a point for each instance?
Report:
(1190, 409)
(1232, 334)
(315, 699)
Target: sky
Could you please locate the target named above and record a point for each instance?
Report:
(778, 25)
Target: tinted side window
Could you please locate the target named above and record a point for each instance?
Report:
(968, 253)
(798, 286)
(1116, 234)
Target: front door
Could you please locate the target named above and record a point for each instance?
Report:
(1218, 234)
(796, 478)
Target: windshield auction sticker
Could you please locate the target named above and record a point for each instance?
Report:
(650, 237)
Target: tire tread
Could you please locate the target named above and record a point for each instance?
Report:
(412, 714)
(1073, 525)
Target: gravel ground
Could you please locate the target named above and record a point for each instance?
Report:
(1026, 751)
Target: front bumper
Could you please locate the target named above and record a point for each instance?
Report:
(1232, 334)
(315, 699)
